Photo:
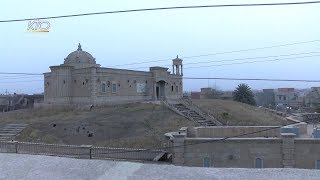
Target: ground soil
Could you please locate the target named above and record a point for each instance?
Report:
(137, 125)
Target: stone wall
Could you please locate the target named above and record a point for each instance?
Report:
(98, 86)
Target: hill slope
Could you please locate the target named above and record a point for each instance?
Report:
(238, 114)
(137, 125)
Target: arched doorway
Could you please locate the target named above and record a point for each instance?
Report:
(160, 90)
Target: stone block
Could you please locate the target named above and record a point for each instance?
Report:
(288, 156)
(288, 151)
(288, 162)
(287, 146)
(178, 150)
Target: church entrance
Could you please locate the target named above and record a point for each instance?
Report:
(160, 90)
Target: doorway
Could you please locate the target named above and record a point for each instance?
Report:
(160, 90)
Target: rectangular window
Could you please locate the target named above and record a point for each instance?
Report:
(103, 87)
(172, 88)
(317, 164)
(114, 88)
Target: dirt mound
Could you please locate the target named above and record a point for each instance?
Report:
(136, 125)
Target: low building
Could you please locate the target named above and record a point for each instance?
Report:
(195, 95)
(239, 147)
(80, 80)
(312, 98)
(288, 97)
(226, 95)
(4, 103)
(265, 98)
(12, 102)
(207, 93)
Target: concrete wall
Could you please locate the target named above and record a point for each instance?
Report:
(232, 131)
(283, 152)
(236, 152)
(307, 151)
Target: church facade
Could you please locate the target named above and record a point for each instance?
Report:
(80, 80)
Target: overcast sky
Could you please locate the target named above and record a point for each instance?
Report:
(116, 39)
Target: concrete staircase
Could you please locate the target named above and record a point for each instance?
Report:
(9, 131)
(191, 111)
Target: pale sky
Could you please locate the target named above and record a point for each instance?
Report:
(116, 39)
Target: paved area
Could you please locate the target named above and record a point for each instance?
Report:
(9, 131)
(35, 167)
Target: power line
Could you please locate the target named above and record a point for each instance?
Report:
(205, 78)
(163, 8)
(237, 59)
(251, 79)
(247, 62)
(252, 62)
(11, 76)
(259, 57)
(220, 53)
(21, 73)
(21, 77)
(21, 81)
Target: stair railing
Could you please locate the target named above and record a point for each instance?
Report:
(173, 108)
(196, 108)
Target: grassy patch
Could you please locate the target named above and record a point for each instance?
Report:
(234, 113)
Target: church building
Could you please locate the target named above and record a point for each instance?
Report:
(80, 80)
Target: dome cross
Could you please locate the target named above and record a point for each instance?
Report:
(79, 47)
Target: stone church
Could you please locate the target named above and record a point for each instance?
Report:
(80, 80)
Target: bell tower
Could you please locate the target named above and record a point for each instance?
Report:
(177, 66)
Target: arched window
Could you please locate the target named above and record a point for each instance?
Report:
(114, 87)
(317, 164)
(206, 162)
(258, 163)
(103, 87)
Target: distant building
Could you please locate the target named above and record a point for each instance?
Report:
(312, 98)
(265, 98)
(288, 97)
(12, 102)
(207, 93)
(195, 95)
(210, 93)
(80, 80)
(226, 95)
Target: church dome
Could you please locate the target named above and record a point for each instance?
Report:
(79, 56)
